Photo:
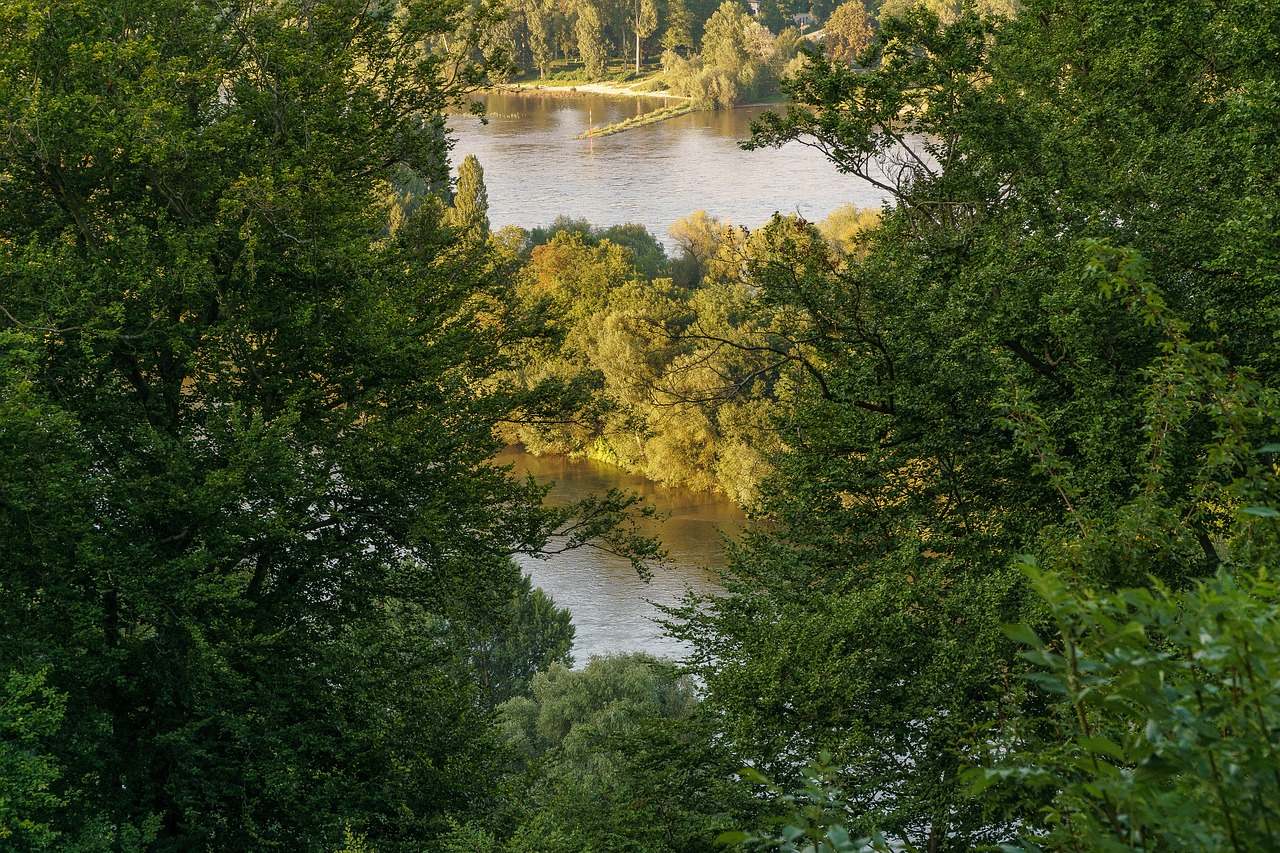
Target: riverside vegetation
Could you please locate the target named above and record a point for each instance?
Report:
(711, 51)
(1012, 440)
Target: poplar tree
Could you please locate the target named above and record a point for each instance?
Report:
(679, 32)
(470, 211)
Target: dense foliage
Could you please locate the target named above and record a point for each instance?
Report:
(995, 379)
(1013, 440)
(247, 521)
(680, 372)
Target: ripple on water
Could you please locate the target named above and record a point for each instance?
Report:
(610, 604)
(653, 175)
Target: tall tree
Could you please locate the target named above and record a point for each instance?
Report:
(849, 31)
(678, 35)
(589, 31)
(245, 508)
(970, 396)
(539, 16)
(470, 211)
(643, 23)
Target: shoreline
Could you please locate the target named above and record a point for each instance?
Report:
(619, 89)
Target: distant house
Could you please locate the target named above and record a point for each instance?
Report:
(753, 6)
(803, 19)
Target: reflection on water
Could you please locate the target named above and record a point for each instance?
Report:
(609, 603)
(535, 169)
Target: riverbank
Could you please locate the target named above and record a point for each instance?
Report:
(625, 90)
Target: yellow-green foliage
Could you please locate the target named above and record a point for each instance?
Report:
(680, 380)
(846, 228)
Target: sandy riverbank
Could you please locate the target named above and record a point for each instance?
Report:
(626, 90)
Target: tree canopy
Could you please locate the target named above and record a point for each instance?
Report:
(995, 377)
(246, 513)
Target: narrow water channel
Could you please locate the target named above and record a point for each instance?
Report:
(611, 605)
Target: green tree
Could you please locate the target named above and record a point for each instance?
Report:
(849, 32)
(246, 505)
(970, 389)
(643, 23)
(510, 646)
(540, 18)
(723, 43)
(616, 756)
(678, 35)
(589, 31)
(469, 213)
(30, 716)
(772, 16)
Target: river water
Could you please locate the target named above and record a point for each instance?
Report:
(535, 169)
(612, 607)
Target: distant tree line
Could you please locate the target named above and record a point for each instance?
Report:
(716, 52)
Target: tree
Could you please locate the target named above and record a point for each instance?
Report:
(970, 388)
(539, 16)
(470, 211)
(679, 33)
(1155, 737)
(30, 715)
(514, 644)
(771, 16)
(723, 45)
(643, 23)
(246, 503)
(849, 32)
(589, 30)
(615, 756)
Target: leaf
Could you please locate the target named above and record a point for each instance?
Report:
(1261, 511)
(1103, 746)
(1022, 633)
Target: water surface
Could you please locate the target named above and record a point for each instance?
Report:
(610, 604)
(536, 170)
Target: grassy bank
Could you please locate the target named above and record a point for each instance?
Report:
(652, 117)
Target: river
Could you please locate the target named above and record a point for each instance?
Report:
(535, 170)
(611, 605)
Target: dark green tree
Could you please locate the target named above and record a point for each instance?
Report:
(244, 498)
(512, 645)
(772, 16)
(971, 395)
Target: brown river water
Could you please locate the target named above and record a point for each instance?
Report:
(612, 606)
